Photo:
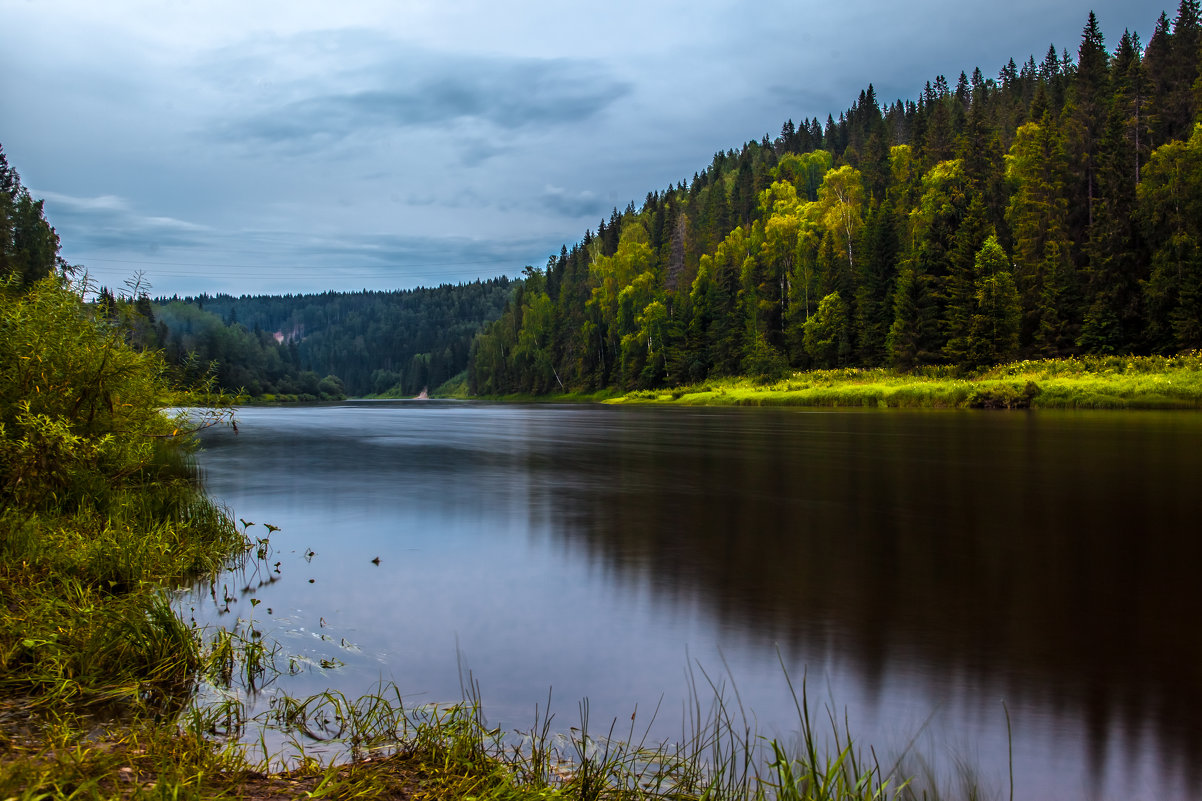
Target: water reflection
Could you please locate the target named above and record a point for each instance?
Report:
(1053, 557)
(915, 563)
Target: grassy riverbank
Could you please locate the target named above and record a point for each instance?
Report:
(1095, 382)
(102, 516)
(391, 751)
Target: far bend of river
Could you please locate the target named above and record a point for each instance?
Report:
(920, 568)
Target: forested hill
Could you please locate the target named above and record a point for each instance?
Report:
(1053, 210)
(374, 342)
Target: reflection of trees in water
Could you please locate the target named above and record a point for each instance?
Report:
(1052, 557)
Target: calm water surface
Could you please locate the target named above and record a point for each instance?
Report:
(919, 568)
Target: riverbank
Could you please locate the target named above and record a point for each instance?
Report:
(102, 516)
(385, 750)
(1096, 382)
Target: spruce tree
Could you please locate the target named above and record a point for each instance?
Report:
(913, 337)
(1038, 218)
(997, 316)
(874, 285)
(1085, 116)
(1181, 106)
(1170, 211)
(1113, 313)
(1158, 71)
(961, 287)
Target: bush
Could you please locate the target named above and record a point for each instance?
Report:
(1003, 396)
(80, 410)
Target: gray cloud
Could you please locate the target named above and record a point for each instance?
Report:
(585, 203)
(373, 84)
(474, 150)
(260, 261)
(110, 222)
(426, 255)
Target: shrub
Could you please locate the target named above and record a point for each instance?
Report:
(81, 412)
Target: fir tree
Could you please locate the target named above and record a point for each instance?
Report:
(998, 316)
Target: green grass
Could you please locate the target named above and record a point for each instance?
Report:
(454, 387)
(87, 618)
(377, 746)
(1103, 382)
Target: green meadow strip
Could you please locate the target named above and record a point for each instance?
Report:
(1096, 382)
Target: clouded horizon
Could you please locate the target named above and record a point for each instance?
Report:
(288, 147)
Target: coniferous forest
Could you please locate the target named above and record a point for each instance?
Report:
(1051, 211)
(327, 344)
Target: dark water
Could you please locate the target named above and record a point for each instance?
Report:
(921, 569)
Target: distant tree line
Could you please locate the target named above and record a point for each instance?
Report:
(199, 345)
(1053, 210)
(363, 343)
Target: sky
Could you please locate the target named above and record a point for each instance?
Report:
(292, 146)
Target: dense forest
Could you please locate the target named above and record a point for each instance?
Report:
(1052, 211)
(200, 345)
(362, 342)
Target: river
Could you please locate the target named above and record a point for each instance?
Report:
(925, 571)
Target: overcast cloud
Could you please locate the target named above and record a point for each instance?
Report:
(292, 146)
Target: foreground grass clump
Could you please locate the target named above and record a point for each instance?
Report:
(1093, 382)
(87, 618)
(376, 747)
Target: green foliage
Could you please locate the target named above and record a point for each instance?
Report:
(394, 343)
(995, 326)
(827, 334)
(805, 171)
(914, 335)
(762, 362)
(997, 315)
(101, 510)
(1170, 204)
(28, 245)
(875, 285)
(1003, 396)
(79, 408)
(197, 341)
